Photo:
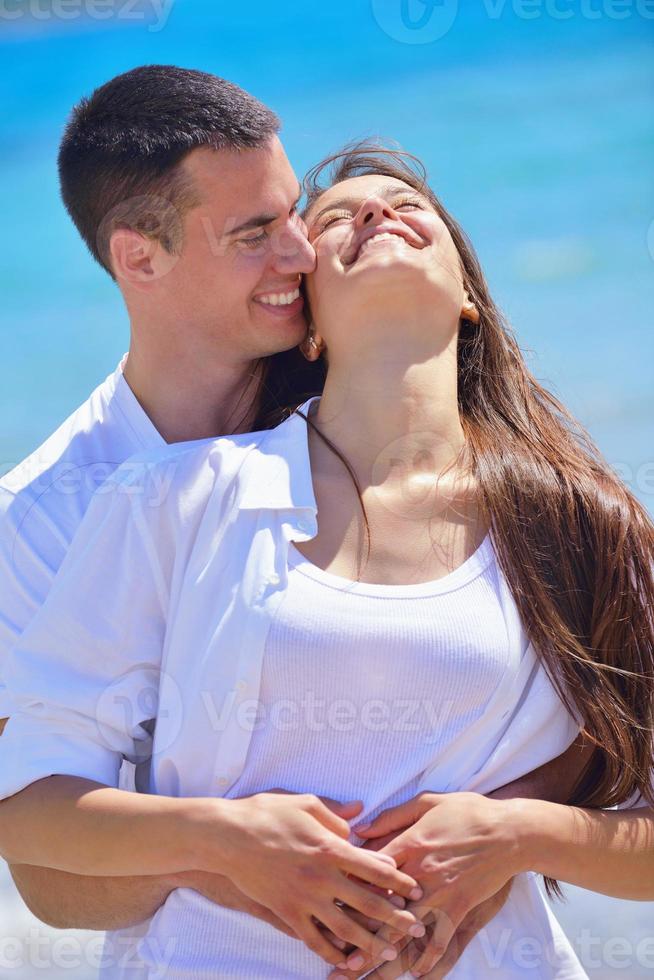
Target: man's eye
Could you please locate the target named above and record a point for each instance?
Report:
(253, 242)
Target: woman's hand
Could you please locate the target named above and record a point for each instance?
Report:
(462, 849)
(290, 853)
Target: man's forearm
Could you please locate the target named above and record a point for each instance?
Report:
(554, 781)
(3, 722)
(69, 901)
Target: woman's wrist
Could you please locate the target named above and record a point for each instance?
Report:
(207, 834)
(530, 822)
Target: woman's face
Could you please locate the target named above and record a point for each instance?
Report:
(383, 254)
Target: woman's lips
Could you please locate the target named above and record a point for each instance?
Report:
(383, 235)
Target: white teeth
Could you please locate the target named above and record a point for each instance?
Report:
(382, 236)
(280, 299)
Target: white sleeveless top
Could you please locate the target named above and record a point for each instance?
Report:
(363, 687)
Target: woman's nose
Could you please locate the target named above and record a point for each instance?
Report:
(374, 209)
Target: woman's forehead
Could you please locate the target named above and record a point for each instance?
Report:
(356, 189)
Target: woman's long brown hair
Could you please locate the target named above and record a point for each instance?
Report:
(575, 545)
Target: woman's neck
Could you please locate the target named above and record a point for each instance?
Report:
(393, 418)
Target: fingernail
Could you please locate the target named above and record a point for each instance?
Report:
(363, 826)
(417, 930)
(416, 893)
(397, 901)
(354, 962)
(390, 953)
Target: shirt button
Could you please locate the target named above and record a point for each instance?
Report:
(222, 781)
(241, 685)
(274, 579)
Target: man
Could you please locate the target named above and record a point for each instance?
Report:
(180, 188)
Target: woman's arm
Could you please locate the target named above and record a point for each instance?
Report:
(607, 851)
(80, 826)
(255, 841)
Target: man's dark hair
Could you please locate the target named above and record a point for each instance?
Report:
(120, 156)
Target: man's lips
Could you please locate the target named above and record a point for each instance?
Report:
(395, 230)
(279, 303)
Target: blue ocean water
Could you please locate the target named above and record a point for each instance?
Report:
(536, 122)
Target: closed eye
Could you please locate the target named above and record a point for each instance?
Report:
(254, 242)
(336, 216)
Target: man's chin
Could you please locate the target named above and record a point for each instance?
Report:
(284, 334)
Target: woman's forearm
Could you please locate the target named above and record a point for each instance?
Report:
(79, 826)
(607, 851)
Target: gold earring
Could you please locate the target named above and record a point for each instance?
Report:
(470, 312)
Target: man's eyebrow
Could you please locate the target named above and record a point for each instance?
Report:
(388, 190)
(259, 220)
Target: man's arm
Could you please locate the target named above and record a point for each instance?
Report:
(68, 901)
(3, 722)
(553, 782)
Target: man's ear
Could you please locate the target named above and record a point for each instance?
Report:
(137, 259)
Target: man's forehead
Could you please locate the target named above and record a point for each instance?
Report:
(243, 184)
(258, 169)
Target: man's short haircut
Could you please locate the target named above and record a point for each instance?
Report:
(120, 156)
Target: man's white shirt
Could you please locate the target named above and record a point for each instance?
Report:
(43, 500)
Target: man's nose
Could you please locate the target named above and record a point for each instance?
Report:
(373, 211)
(293, 252)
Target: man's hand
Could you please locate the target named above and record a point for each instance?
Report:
(460, 849)
(222, 891)
(419, 955)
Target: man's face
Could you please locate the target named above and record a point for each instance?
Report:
(235, 284)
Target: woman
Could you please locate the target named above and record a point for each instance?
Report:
(465, 523)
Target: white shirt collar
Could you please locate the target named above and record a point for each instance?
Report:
(278, 471)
